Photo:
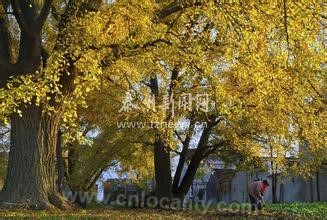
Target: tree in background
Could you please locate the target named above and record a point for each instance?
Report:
(264, 83)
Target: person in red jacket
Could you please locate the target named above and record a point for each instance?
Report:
(256, 193)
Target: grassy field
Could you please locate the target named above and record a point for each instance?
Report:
(271, 212)
(300, 209)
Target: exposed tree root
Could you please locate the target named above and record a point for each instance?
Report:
(54, 202)
(60, 202)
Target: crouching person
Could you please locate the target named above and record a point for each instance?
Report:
(257, 190)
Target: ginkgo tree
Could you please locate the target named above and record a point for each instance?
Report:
(51, 54)
(248, 59)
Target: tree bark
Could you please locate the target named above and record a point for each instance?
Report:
(311, 190)
(189, 176)
(60, 164)
(162, 173)
(31, 175)
(281, 192)
(274, 187)
(273, 178)
(318, 185)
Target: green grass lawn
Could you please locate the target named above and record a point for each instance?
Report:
(271, 211)
(300, 209)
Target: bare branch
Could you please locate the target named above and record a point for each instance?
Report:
(7, 13)
(4, 133)
(316, 91)
(180, 138)
(213, 148)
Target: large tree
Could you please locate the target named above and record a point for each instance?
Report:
(263, 66)
(24, 51)
(244, 59)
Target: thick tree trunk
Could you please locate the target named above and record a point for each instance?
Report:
(162, 174)
(31, 176)
(177, 201)
(184, 186)
(188, 178)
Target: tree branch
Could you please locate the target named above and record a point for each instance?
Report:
(71, 10)
(181, 162)
(4, 133)
(179, 137)
(18, 13)
(43, 15)
(55, 13)
(7, 13)
(213, 148)
(6, 67)
(285, 21)
(316, 91)
(178, 5)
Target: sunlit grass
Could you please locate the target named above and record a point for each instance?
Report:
(301, 209)
(289, 210)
